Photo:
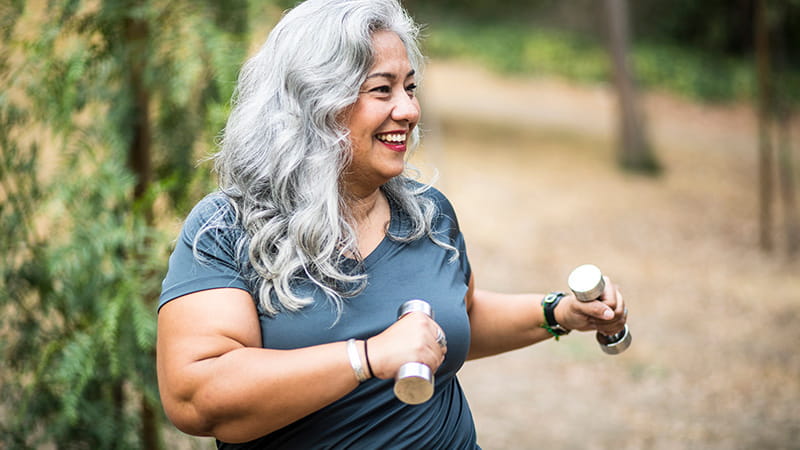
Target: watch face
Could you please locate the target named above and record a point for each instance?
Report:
(550, 298)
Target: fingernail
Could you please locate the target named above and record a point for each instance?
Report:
(608, 314)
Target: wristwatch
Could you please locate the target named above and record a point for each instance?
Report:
(549, 303)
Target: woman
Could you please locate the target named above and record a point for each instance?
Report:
(277, 321)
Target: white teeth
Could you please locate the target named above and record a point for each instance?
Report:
(393, 137)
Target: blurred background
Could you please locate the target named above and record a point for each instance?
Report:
(654, 139)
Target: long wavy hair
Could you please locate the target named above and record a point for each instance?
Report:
(284, 149)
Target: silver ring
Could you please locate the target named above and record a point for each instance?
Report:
(441, 339)
(625, 312)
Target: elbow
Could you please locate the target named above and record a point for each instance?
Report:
(204, 415)
(185, 404)
(187, 418)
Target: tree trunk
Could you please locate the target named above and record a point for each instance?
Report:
(139, 160)
(765, 153)
(787, 189)
(783, 115)
(151, 439)
(634, 151)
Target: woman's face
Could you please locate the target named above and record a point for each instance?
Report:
(381, 120)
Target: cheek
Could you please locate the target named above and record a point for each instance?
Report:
(361, 141)
(363, 122)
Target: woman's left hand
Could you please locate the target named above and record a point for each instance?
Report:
(606, 315)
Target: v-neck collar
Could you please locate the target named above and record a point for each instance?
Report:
(394, 228)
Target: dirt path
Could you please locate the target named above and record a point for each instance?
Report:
(714, 364)
(529, 167)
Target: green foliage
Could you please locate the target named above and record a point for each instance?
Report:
(87, 86)
(516, 49)
(78, 315)
(520, 50)
(186, 64)
(717, 28)
(694, 75)
(77, 312)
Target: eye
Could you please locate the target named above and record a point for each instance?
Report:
(411, 88)
(381, 90)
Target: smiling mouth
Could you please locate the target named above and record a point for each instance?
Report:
(392, 139)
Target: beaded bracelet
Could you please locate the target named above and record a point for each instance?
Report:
(550, 330)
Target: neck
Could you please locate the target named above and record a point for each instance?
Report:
(363, 205)
(361, 195)
(369, 216)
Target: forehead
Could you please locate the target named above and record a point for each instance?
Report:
(390, 53)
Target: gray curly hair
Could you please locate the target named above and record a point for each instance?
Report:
(284, 148)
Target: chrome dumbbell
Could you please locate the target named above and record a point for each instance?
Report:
(414, 381)
(587, 283)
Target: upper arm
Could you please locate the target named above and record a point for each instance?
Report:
(194, 330)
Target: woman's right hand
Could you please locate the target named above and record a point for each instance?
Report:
(413, 338)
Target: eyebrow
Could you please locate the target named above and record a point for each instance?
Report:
(389, 75)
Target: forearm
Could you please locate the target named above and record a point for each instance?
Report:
(249, 392)
(215, 379)
(504, 322)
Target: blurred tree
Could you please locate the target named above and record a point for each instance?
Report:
(765, 152)
(717, 27)
(784, 112)
(635, 152)
(128, 90)
(774, 122)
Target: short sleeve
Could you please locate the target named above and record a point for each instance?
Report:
(205, 255)
(448, 223)
(463, 260)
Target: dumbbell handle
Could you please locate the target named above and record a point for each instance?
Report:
(587, 283)
(413, 383)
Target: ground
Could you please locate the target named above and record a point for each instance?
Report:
(529, 166)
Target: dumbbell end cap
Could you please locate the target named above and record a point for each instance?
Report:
(586, 282)
(616, 344)
(414, 383)
(415, 305)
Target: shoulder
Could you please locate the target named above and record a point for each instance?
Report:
(444, 215)
(214, 211)
(213, 207)
(214, 217)
(442, 202)
(444, 208)
(433, 194)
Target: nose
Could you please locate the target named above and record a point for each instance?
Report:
(406, 109)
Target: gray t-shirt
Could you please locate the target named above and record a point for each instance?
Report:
(370, 416)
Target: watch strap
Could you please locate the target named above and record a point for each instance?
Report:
(549, 303)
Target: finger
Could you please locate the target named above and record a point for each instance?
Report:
(596, 314)
(600, 311)
(610, 292)
(621, 308)
(441, 339)
(618, 320)
(612, 328)
(415, 315)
